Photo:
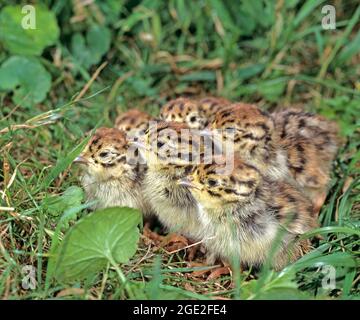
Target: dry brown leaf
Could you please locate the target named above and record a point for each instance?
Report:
(172, 238)
(217, 273)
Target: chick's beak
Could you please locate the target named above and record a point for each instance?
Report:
(81, 160)
(188, 182)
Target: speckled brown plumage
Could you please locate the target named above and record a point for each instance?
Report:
(133, 122)
(241, 213)
(254, 137)
(196, 113)
(166, 158)
(286, 144)
(111, 172)
(311, 142)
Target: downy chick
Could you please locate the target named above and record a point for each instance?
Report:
(168, 149)
(286, 148)
(111, 172)
(243, 211)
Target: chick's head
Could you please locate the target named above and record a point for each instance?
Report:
(134, 122)
(170, 147)
(106, 157)
(250, 129)
(211, 105)
(185, 111)
(218, 185)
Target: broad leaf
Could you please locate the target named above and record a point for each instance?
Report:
(103, 236)
(27, 41)
(26, 78)
(89, 50)
(72, 196)
(69, 202)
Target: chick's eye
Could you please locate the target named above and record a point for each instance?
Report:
(104, 154)
(230, 129)
(212, 182)
(193, 119)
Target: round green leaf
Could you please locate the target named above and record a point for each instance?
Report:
(27, 41)
(89, 50)
(103, 236)
(27, 78)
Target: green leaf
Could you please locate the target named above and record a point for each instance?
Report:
(26, 78)
(108, 235)
(58, 204)
(68, 203)
(89, 50)
(29, 41)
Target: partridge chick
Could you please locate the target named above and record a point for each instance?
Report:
(168, 149)
(291, 146)
(111, 173)
(241, 213)
(254, 137)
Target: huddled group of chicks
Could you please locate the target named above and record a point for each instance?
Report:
(277, 183)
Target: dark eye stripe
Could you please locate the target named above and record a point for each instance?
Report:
(252, 137)
(214, 194)
(108, 165)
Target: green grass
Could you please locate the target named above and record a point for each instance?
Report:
(273, 53)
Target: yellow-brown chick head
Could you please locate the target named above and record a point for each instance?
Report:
(170, 146)
(215, 186)
(105, 157)
(186, 111)
(133, 122)
(211, 105)
(251, 129)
